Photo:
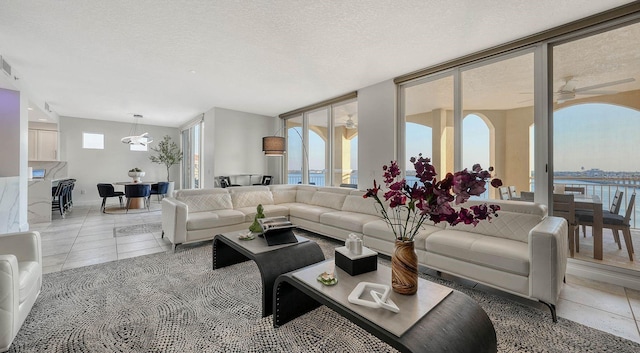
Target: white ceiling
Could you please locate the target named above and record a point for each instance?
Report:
(112, 59)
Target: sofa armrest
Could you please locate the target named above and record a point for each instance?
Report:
(9, 299)
(25, 246)
(174, 220)
(548, 244)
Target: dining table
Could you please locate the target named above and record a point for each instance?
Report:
(136, 202)
(593, 202)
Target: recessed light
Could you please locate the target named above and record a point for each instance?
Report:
(42, 119)
(192, 71)
(29, 108)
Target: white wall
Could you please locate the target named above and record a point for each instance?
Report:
(233, 145)
(376, 131)
(90, 167)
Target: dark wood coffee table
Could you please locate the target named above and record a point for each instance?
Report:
(455, 324)
(272, 260)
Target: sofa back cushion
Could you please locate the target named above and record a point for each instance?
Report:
(305, 193)
(328, 199)
(283, 193)
(515, 220)
(199, 200)
(357, 203)
(250, 196)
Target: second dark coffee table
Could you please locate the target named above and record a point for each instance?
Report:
(272, 261)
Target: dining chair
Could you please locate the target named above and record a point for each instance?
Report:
(504, 193)
(513, 194)
(225, 182)
(137, 190)
(160, 188)
(526, 196)
(564, 206)
(617, 223)
(580, 190)
(587, 215)
(266, 180)
(106, 190)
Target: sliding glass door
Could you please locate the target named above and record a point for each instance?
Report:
(191, 156)
(596, 119)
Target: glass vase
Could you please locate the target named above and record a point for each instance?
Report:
(404, 268)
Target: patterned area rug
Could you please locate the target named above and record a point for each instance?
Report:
(137, 229)
(174, 302)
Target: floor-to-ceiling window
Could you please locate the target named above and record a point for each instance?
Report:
(322, 145)
(191, 153)
(345, 143)
(495, 100)
(318, 136)
(295, 150)
(428, 122)
(497, 103)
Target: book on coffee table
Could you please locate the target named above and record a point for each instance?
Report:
(277, 230)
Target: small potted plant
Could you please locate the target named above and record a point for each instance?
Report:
(136, 174)
(168, 154)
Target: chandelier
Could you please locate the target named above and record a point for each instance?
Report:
(134, 138)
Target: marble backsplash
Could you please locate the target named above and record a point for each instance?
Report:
(9, 205)
(39, 199)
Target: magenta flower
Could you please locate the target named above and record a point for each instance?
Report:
(408, 206)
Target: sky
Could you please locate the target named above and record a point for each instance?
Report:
(601, 136)
(475, 136)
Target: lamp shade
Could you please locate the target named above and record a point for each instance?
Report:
(273, 145)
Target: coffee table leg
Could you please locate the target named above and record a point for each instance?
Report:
(272, 265)
(289, 302)
(223, 255)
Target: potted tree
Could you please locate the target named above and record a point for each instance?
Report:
(168, 154)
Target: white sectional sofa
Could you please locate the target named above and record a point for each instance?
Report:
(522, 251)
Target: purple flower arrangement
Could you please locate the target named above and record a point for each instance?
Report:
(409, 206)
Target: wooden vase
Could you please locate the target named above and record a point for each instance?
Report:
(404, 268)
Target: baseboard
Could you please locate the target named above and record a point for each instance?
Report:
(604, 273)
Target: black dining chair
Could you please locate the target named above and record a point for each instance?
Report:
(225, 182)
(105, 191)
(616, 223)
(139, 191)
(266, 180)
(586, 216)
(160, 188)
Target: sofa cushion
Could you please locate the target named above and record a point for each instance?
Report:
(283, 196)
(328, 199)
(380, 229)
(269, 211)
(515, 220)
(355, 203)
(28, 273)
(205, 199)
(251, 198)
(497, 253)
(213, 219)
(308, 212)
(352, 221)
(305, 194)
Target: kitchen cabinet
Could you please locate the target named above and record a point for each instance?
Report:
(43, 145)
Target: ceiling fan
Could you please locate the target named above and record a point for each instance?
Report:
(350, 124)
(568, 91)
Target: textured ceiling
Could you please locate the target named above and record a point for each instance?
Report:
(111, 59)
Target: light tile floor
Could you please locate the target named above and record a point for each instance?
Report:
(86, 237)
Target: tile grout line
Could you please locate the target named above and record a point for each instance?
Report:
(635, 320)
